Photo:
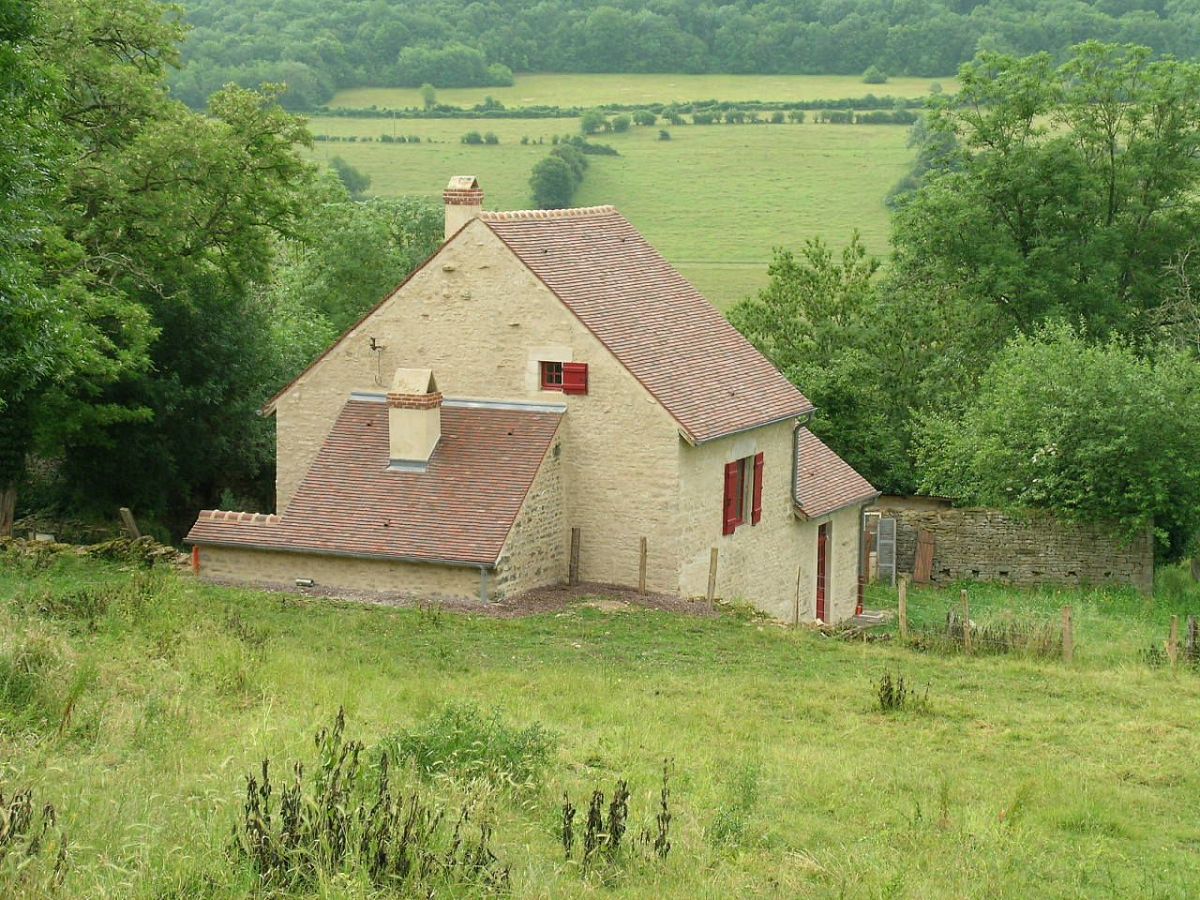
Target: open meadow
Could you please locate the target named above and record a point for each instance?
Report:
(136, 701)
(715, 199)
(547, 89)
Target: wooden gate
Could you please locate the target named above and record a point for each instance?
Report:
(923, 566)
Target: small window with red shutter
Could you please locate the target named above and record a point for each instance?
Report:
(743, 493)
(568, 377)
(574, 378)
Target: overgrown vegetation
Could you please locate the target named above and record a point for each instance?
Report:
(174, 695)
(350, 819)
(464, 742)
(894, 694)
(33, 848)
(603, 838)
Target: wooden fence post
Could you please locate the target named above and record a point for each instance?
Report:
(966, 624)
(642, 569)
(129, 522)
(712, 576)
(1068, 638)
(573, 576)
(1173, 641)
(1192, 649)
(903, 610)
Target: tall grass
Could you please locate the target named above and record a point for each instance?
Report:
(787, 779)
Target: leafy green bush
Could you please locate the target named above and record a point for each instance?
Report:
(1091, 433)
(465, 742)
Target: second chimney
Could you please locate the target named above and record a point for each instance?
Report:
(414, 418)
(464, 202)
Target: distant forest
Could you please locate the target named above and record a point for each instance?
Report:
(320, 46)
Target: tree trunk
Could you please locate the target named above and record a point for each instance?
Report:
(8, 508)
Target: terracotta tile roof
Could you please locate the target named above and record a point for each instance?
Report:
(662, 330)
(824, 481)
(459, 510)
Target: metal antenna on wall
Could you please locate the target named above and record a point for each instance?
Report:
(377, 349)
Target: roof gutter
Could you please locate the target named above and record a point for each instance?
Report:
(806, 415)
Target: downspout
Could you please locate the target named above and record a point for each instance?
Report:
(483, 584)
(800, 423)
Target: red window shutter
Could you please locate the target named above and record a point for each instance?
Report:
(756, 511)
(733, 491)
(574, 378)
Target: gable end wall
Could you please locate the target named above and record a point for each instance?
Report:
(481, 320)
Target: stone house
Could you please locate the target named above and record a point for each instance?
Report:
(546, 371)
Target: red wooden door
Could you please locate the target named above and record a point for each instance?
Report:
(822, 568)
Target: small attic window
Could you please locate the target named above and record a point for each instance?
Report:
(552, 375)
(568, 377)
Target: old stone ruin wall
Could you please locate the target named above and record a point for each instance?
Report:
(988, 545)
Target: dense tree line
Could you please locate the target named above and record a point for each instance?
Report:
(317, 46)
(1034, 341)
(161, 271)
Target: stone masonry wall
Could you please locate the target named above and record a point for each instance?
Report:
(398, 579)
(538, 546)
(772, 565)
(988, 545)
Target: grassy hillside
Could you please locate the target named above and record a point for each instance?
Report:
(787, 778)
(714, 199)
(594, 90)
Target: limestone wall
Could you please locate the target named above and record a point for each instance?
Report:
(420, 581)
(773, 564)
(988, 545)
(537, 550)
(482, 321)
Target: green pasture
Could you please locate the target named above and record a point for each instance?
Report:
(136, 703)
(714, 199)
(594, 90)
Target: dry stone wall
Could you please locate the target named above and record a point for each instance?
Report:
(988, 545)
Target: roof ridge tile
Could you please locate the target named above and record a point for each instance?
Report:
(517, 215)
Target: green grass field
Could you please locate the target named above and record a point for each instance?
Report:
(593, 90)
(714, 199)
(1023, 777)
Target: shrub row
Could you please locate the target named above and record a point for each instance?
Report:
(497, 110)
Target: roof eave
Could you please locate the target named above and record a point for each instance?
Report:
(801, 513)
